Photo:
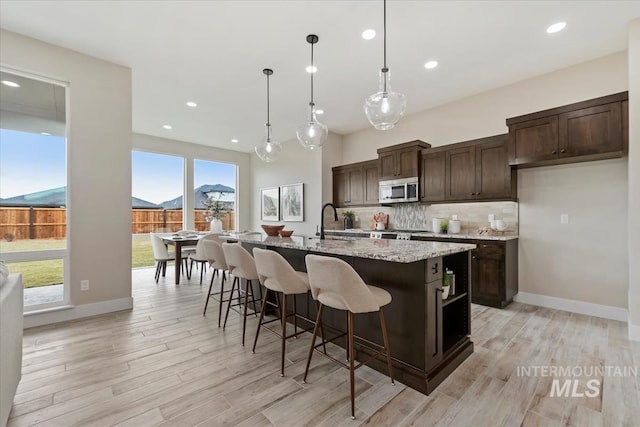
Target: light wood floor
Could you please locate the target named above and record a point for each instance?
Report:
(165, 364)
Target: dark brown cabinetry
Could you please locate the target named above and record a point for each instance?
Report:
(590, 130)
(355, 184)
(494, 270)
(471, 170)
(432, 181)
(401, 161)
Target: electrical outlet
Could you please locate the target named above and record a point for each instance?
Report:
(84, 285)
(564, 218)
(492, 217)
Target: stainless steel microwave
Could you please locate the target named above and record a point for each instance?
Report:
(398, 190)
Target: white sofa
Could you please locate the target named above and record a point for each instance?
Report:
(11, 324)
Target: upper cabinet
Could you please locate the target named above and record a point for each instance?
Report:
(590, 130)
(355, 184)
(468, 171)
(401, 161)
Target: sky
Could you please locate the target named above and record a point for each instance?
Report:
(33, 162)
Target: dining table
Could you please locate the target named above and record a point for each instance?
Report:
(179, 242)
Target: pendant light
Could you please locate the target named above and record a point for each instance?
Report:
(312, 134)
(385, 108)
(269, 149)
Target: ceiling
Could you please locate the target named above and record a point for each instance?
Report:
(213, 53)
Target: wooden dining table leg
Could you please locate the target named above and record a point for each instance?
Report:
(178, 261)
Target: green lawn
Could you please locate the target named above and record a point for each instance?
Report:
(43, 273)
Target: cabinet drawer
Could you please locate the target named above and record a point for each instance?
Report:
(490, 250)
(434, 269)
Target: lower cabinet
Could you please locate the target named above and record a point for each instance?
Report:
(494, 270)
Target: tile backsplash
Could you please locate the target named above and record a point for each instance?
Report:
(416, 216)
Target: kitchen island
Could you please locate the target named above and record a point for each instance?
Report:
(429, 336)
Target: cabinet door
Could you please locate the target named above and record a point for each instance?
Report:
(434, 324)
(534, 140)
(340, 189)
(592, 130)
(388, 167)
(460, 179)
(488, 272)
(355, 184)
(371, 177)
(407, 161)
(432, 183)
(493, 174)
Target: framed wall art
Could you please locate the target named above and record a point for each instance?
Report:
(292, 202)
(270, 204)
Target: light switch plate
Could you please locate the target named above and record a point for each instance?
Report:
(564, 218)
(84, 285)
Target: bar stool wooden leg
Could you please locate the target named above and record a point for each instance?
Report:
(262, 310)
(283, 315)
(295, 318)
(233, 287)
(313, 341)
(387, 350)
(246, 303)
(221, 298)
(351, 369)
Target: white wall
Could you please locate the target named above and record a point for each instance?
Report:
(634, 179)
(99, 165)
(195, 151)
(577, 261)
(295, 165)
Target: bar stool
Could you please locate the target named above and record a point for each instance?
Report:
(277, 275)
(217, 261)
(335, 284)
(242, 266)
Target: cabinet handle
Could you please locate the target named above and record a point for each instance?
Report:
(563, 150)
(485, 246)
(477, 194)
(439, 289)
(472, 194)
(474, 257)
(553, 152)
(434, 269)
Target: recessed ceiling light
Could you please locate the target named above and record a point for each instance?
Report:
(167, 126)
(45, 133)
(558, 26)
(368, 34)
(10, 83)
(192, 104)
(319, 111)
(430, 65)
(311, 69)
(235, 141)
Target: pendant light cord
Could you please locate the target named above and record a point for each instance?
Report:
(312, 73)
(384, 43)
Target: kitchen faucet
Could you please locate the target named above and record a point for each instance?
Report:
(335, 216)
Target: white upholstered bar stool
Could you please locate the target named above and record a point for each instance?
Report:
(277, 275)
(335, 284)
(199, 256)
(242, 266)
(217, 261)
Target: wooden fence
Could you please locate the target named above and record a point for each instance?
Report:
(51, 223)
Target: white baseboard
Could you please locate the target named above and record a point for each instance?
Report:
(634, 332)
(62, 314)
(574, 306)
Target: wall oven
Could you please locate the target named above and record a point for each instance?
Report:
(398, 190)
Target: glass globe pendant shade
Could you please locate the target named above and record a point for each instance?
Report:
(312, 134)
(385, 108)
(269, 149)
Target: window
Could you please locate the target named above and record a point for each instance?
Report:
(33, 187)
(214, 181)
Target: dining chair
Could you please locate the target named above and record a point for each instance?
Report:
(162, 256)
(199, 256)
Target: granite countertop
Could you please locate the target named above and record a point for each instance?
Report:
(498, 235)
(402, 251)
